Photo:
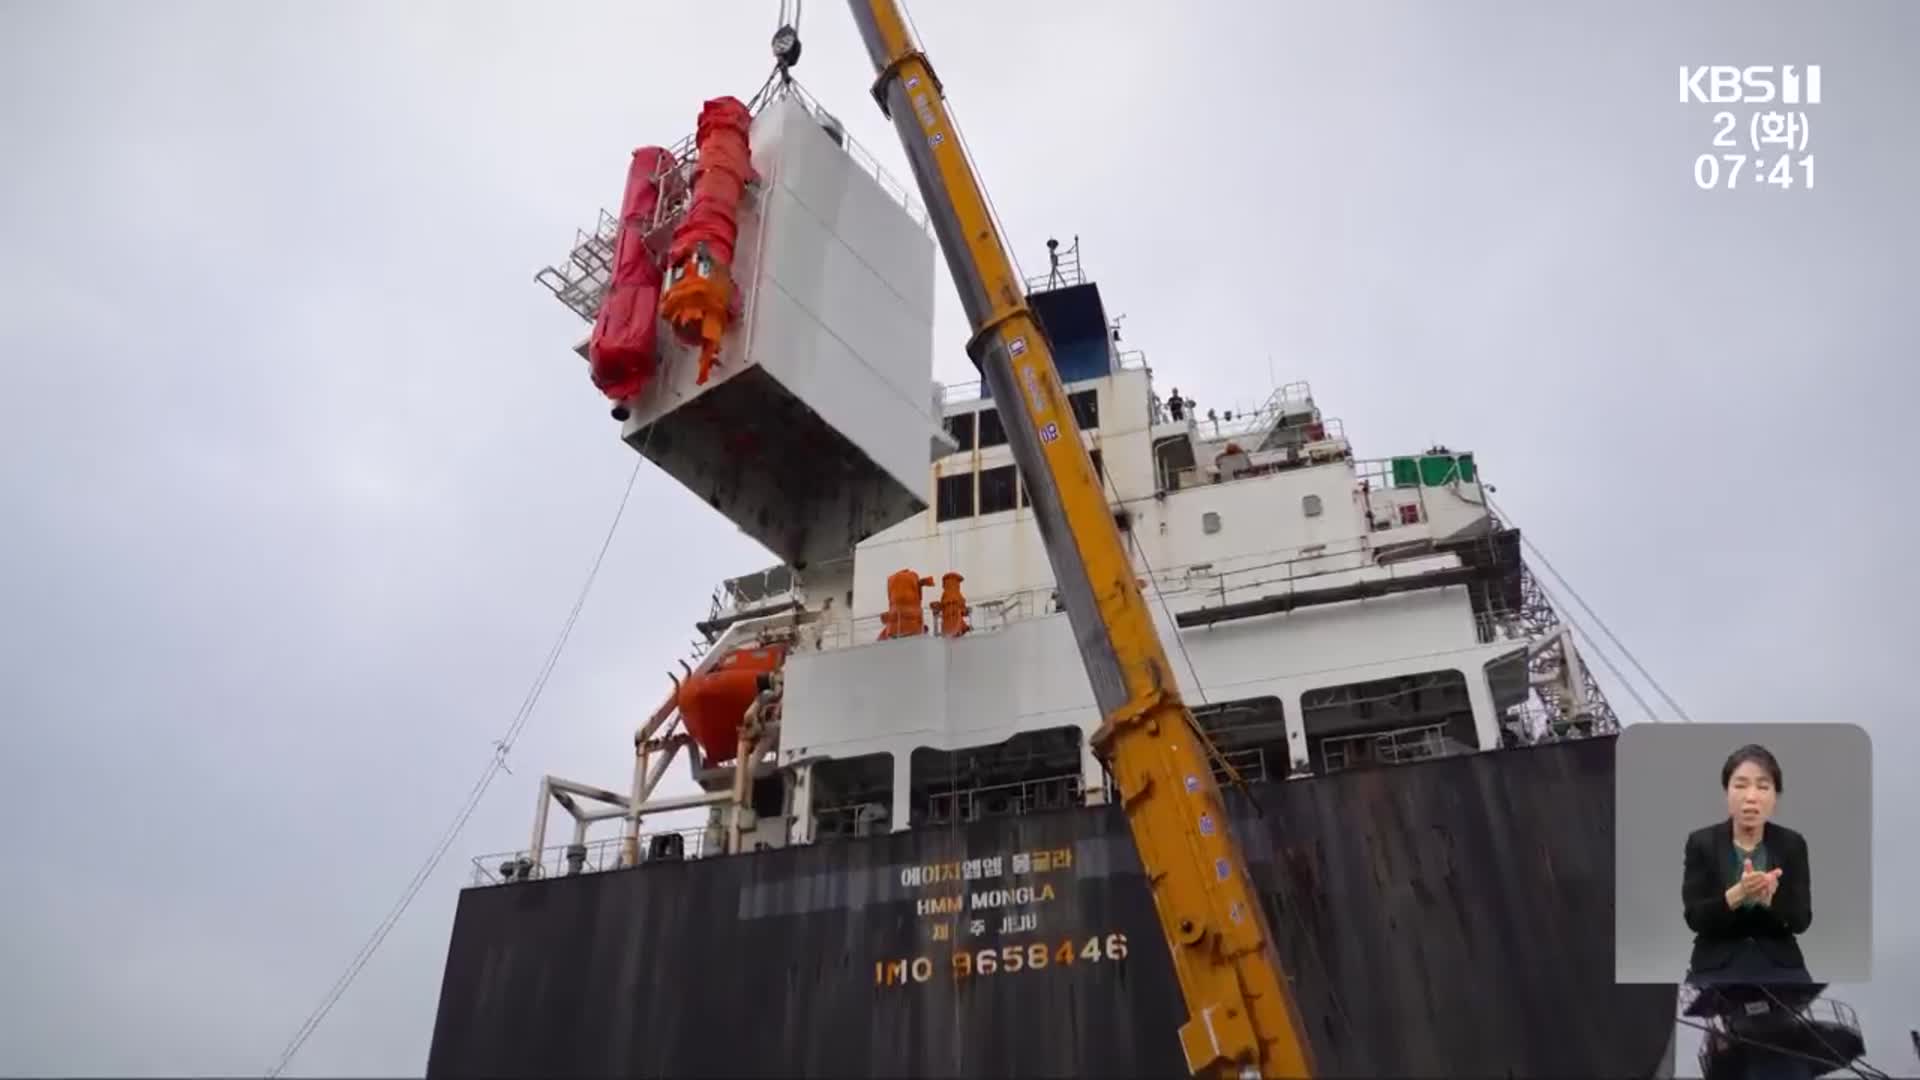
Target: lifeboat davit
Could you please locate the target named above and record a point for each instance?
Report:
(699, 300)
(713, 702)
(622, 351)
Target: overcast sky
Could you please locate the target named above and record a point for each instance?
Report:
(300, 476)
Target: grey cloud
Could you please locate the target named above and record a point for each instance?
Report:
(300, 476)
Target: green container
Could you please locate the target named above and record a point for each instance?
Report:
(1436, 470)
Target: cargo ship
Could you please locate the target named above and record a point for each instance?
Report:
(897, 854)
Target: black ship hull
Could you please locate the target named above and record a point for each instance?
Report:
(1446, 918)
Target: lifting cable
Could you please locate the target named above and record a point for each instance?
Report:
(1594, 646)
(786, 56)
(495, 765)
(1527, 540)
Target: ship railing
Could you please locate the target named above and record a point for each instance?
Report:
(1297, 570)
(749, 594)
(594, 856)
(1548, 717)
(984, 617)
(676, 178)
(852, 821)
(862, 157)
(1063, 269)
(581, 282)
(1498, 625)
(1011, 799)
(1248, 763)
(1294, 398)
(1396, 747)
(1181, 586)
(1389, 504)
(945, 394)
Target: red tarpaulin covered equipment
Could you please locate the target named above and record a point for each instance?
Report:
(621, 353)
(699, 298)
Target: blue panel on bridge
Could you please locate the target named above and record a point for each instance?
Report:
(1075, 322)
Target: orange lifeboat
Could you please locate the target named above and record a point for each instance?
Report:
(713, 702)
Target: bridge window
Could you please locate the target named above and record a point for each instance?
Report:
(960, 426)
(1001, 488)
(1099, 472)
(1086, 408)
(953, 496)
(991, 431)
(998, 488)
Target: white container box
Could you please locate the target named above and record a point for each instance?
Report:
(814, 428)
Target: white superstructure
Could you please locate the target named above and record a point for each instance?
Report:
(1322, 610)
(1231, 524)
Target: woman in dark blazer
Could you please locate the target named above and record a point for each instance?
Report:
(1747, 890)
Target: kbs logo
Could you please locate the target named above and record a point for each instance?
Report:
(1725, 85)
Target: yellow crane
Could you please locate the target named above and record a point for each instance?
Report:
(1241, 1017)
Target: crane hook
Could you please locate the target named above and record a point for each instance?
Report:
(786, 48)
(786, 40)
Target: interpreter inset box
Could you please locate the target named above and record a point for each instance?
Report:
(1743, 853)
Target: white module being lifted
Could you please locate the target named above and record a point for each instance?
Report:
(812, 430)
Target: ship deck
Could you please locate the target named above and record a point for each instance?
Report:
(1452, 917)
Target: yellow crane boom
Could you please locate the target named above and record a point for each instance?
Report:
(1242, 1020)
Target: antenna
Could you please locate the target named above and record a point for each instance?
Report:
(1063, 267)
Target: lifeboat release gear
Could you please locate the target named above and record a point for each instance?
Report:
(713, 702)
(951, 610)
(621, 352)
(699, 301)
(903, 618)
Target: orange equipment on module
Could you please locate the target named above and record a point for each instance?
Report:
(903, 618)
(950, 611)
(699, 299)
(621, 352)
(713, 702)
